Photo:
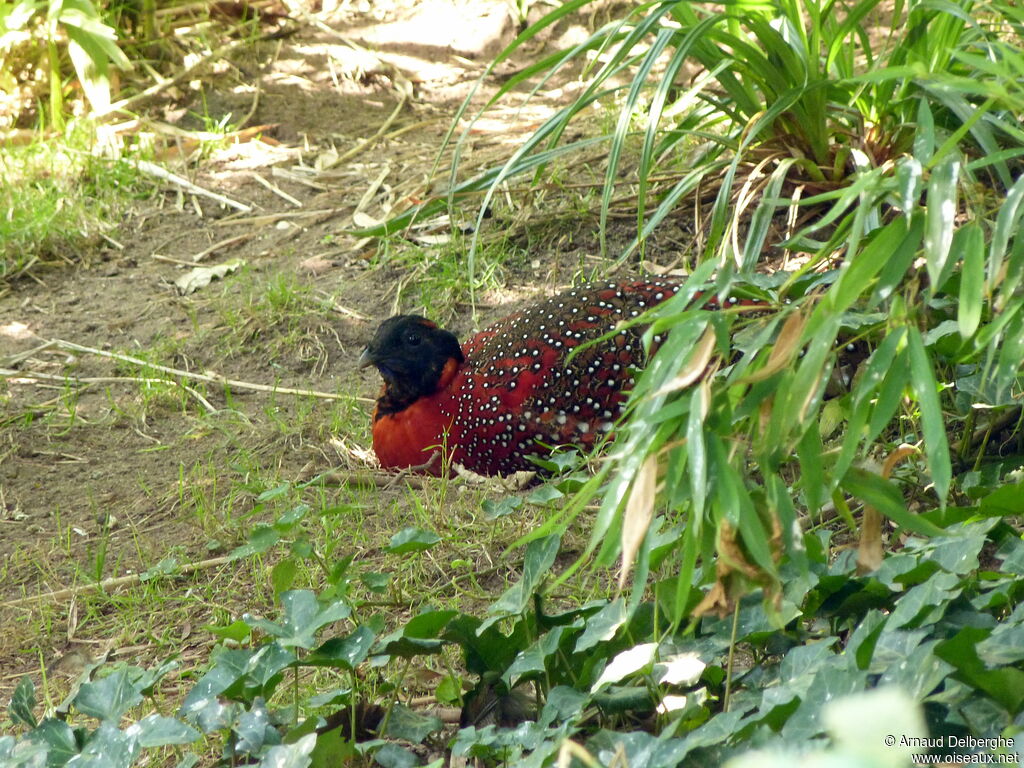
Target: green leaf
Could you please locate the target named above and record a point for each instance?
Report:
(1005, 500)
(540, 556)
(108, 747)
(940, 218)
(970, 240)
(1005, 685)
(108, 699)
(282, 575)
(303, 616)
(933, 424)
(58, 738)
(412, 539)
(411, 726)
(295, 755)
(449, 690)
(418, 636)
(343, 652)
(159, 731)
(503, 506)
(375, 581)
(886, 498)
(394, 756)
(23, 701)
(262, 538)
(237, 631)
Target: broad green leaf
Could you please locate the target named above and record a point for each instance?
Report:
(343, 652)
(107, 747)
(411, 726)
(23, 702)
(1005, 684)
(159, 731)
(109, 698)
(282, 575)
(394, 756)
(303, 616)
(537, 562)
(418, 636)
(412, 539)
(58, 738)
(295, 755)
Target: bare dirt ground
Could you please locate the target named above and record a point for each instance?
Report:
(106, 473)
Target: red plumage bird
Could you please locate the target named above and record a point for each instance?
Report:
(509, 390)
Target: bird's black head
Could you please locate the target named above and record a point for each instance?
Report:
(411, 354)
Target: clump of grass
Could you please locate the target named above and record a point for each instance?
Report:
(55, 197)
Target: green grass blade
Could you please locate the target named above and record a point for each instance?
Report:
(971, 241)
(940, 217)
(925, 388)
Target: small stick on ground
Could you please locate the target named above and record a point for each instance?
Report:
(7, 373)
(210, 378)
(162, 173)
(112, 583)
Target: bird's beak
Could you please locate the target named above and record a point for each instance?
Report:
(365, 359)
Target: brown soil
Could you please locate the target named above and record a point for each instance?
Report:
(100, 479)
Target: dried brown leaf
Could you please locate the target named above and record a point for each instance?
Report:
(638, 515)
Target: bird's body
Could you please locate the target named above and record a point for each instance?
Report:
(510, 391)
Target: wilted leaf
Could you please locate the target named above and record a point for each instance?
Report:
(783, 351)
(626, 663)
(694, 368)
(200, 277)
(638, 515)
(679, 669)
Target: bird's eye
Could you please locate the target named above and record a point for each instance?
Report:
(412, 339)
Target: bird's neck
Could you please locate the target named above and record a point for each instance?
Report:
(397, 395)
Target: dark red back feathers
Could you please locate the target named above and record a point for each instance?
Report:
(510, 389)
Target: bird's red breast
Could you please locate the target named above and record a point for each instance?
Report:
(516, 391)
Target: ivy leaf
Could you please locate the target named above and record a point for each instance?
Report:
(411, 726)
(540, 556)
(418, 636)
(57, 738)
(1005, 685)
(108, 747)
(295, 755)
(159, 731)
(394, 756)
(343, 652)
(23, 701)
(108, 699)
(303, 617)
(412, 539)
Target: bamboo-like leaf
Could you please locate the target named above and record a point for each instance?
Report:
(886, 498)
(1008, 224)
(697, 465)
(940, 217)
(783, 351)
(638, 515)
(695, 366)
(922, 380)
(971, 242)
(809, 451)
